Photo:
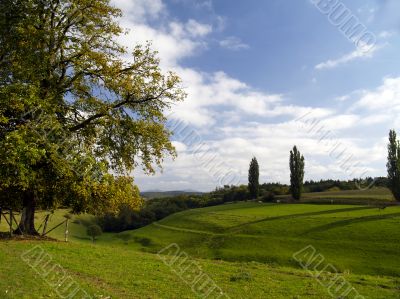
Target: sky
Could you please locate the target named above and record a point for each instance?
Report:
(265, 75)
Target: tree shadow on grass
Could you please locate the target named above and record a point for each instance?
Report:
(347, 222)
(237, 228)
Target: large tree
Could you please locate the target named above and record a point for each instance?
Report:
(296, 173)
(393, 165)
(254, 174)
(77, 112)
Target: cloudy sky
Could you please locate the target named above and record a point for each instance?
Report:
(264, 75)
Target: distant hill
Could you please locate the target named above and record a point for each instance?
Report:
(163, 194)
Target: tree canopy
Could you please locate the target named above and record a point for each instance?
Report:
(78, 114)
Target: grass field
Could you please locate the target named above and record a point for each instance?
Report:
(360, 239)
(370, 196)
(117, 272)
(246, 248)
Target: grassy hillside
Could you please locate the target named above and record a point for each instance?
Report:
(370, 196)
(119, 272)
(246, 248)
(359, 239)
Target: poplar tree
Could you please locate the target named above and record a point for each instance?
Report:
(296, 173)
(393, 165)
(254, 174)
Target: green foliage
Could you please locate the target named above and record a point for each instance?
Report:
(73, 109)
(230, 194)
(393, 165)
(268, 197)
(296, 173)
(274, 188)
(105, 196)
(161, 194)
(152, 210)
(94, 231)
(254, 174)
(156, 209)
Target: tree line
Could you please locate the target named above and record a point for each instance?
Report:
(297, 164)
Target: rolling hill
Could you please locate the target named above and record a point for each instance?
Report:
(247, 249)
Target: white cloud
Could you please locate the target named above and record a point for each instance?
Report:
(386, 34)
(220, 107)
(233, 43)
(343, 98)
(356, 54)
(191, 29)
(140, 10)
(173, 40)
(210, 93)
(197, 29)
(374, 119)
(384, 98)
(340, 122)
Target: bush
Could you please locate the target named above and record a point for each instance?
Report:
(145, 242)
(268, 197)
(94, 231)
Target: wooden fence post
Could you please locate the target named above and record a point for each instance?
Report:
(45, 224)
(66, 230)
(16, 222)
(11, 221)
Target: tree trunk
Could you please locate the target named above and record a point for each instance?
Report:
(27, 222)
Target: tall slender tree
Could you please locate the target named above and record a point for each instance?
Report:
(393, 164)
(254, 174)
(296, 173)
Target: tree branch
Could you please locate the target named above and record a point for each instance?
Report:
(96, 116)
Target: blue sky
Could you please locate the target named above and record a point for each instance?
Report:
(263, 75)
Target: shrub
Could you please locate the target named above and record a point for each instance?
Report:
(268, 197)
(145, 242)
(94, 231)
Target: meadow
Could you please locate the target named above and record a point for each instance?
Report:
(246, 248)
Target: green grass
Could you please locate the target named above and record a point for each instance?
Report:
(246, 248)
(359, 239)
(118, 272)
(370, 196)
